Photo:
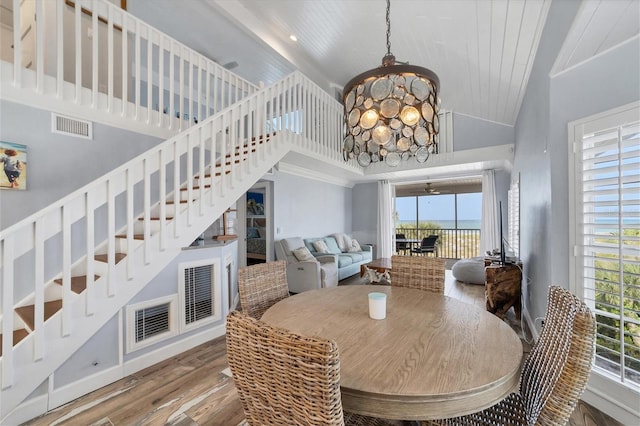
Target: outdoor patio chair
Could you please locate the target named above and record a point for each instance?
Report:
(555, 373)
(284, 378)
(421, 272)
(428, 245)
(260, 286)
(401, 246)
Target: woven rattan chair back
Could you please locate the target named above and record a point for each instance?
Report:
(555, 373)
(421, 272)
(261, 286)
(283, 378)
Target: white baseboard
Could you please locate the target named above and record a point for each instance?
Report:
(530, 324)
(39, 405)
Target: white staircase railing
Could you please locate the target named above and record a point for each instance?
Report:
(111, 67)
(129, 223)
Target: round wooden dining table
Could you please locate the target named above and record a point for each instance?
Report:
(432, 357)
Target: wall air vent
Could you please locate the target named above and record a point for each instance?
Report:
(71, 126)
(150, 322)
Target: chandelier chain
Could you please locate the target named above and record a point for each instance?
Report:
(388, 27)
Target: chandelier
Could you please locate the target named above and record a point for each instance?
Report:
(391, 112)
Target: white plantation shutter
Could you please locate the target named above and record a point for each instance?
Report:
(514, 217)
(607, 238)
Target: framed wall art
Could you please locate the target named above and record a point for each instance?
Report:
(13, 159)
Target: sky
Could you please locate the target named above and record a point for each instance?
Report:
(440, 207)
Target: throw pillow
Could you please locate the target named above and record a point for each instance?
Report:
(302, 254)
(321, 246)
(332, 245)
(355, 246)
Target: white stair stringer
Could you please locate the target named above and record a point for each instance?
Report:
(29, 373)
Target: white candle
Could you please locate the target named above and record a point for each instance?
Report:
(377, 306)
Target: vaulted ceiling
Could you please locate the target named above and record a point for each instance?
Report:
(482, 50)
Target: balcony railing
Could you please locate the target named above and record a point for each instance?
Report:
(452, 243)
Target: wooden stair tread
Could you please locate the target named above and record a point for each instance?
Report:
(103, 257)
(18, 335)
(153, 218)
(27, 313)
(195, 187)
(78, 284)
(135, 236)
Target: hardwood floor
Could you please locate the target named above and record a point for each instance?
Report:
(194, 389)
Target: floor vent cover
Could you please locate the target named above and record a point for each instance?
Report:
(71, 126)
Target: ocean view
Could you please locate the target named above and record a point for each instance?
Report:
(448, 224)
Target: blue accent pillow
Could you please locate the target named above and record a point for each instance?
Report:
(332, 244)
(252, 233)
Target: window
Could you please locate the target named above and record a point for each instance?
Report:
(606, 236)
(150, 322)
(200, 301)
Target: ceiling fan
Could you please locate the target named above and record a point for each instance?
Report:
(431, 191)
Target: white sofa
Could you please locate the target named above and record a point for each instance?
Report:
(320, 272)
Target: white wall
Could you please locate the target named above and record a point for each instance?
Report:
(609, 80)
(59, 164)
(307, 208)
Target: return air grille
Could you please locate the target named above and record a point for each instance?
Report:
(71, 126)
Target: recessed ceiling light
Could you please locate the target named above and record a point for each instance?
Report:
(292, 37)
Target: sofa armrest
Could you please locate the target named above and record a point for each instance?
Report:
(303, 276)
(366, 247)
(327, 258)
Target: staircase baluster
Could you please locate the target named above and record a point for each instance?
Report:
(162, 174)
(130, 222)
(94, 55)
(110, 58)
(111, 235)
(161, 55)
(60, 50)
(78, 39)
(180, 107)
(40, 20)
(17, 46)
(66, 270)
(189, 175)
(126, 75)
(7, 308)
(149, 75)
(38, 302)
(172, 88)
(147, 209)
(90, 255)
(189, 108)
(201, 179)
(137, 71)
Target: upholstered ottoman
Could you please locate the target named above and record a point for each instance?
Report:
(469, 270)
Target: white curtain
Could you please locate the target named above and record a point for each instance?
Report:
(489, 232)
(385, 219)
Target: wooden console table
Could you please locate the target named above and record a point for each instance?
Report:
(503, 287)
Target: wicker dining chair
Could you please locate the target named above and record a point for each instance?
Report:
(262, 285)
(555, 373)
(421, 272)
(284, 378)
